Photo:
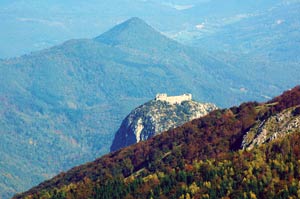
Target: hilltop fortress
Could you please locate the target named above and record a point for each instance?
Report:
(173, 99)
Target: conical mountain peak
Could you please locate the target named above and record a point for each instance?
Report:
(135, 21)
(135, 33)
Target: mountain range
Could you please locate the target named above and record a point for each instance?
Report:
(49, 22)
(265, 43)
(201, 159)
(61, 106)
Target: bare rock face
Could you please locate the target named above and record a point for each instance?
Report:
(157, 116)
(277, 126)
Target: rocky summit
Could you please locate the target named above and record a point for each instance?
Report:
(158, 115)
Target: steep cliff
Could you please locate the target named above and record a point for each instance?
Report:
(157, 116)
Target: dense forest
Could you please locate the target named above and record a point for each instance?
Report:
(201, 159)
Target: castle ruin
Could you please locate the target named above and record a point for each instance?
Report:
(173, 99)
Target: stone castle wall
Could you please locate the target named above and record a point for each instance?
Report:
(173, 99)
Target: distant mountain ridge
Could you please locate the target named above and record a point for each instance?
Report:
(266, 43)
(68, 100)
(188, 161)
(155, 117)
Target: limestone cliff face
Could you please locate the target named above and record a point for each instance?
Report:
(155, 117)
(277, 126)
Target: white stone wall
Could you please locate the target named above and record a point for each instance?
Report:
(161, 96)
(173, 99)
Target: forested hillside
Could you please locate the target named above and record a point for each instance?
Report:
(62, 100)
(201, 159)
(61, 106)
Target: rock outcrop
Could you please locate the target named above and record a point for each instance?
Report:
(157, 116)
(277, 126)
